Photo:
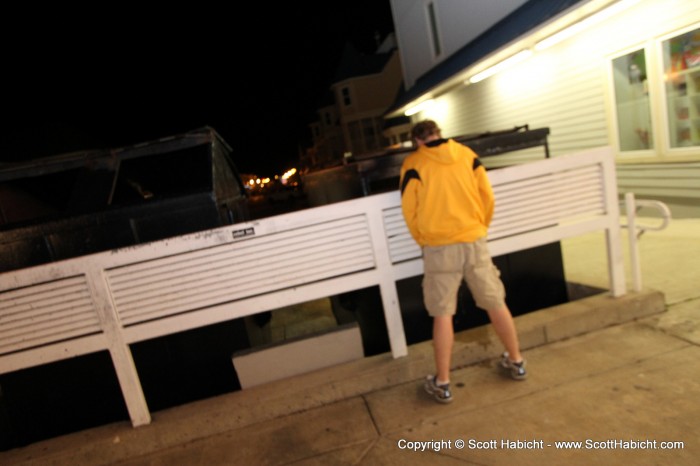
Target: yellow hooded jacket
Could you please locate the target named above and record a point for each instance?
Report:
(446, 195)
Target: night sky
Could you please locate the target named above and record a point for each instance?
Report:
(110, 78)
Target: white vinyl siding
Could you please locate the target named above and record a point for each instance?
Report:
(667, 180)
(568, 89)
(571, 106)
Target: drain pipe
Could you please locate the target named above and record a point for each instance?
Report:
(635, 231)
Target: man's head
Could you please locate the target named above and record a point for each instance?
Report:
(424, 131)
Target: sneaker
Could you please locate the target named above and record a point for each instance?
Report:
(517, 369)
(441, 393)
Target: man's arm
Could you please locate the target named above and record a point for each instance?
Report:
(485, 191)
(410, 183)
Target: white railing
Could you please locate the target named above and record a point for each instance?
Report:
(636, 230)
(109, 300)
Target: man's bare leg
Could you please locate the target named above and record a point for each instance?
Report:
(503, 324)
(443, 340)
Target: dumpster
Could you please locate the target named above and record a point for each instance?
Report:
(75, 204)
(71, 205)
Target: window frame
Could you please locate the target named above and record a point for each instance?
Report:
(653, 150)
(661, 149)
(345, 96)
(663, 98)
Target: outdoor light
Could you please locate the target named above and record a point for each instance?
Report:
(583, 24)
(426, 104)
(508, 62)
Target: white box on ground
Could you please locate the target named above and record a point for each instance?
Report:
(264, 364)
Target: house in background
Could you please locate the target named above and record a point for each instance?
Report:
(352, 120)
(327, 136)
(624, 74)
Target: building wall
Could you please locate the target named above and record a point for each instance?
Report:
(556, 90)
(370, 96)
(328, 145)
(568, 89)
(371, 93)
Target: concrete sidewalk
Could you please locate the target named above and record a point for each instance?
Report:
(618, 375)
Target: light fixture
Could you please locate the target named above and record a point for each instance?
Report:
(508, 62)
(583, 24)
(426, 104)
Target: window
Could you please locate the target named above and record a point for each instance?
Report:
(346, 96)
(368, 134)
(681, 58)
(632, 101)
(434, 33)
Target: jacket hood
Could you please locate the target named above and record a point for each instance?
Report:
(441, 151)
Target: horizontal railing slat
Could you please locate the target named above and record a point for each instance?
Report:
(46, 312)
(223, 296)
(243, 251)
(200, 294)
(187, 271)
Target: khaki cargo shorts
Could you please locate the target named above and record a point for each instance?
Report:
(446, 266)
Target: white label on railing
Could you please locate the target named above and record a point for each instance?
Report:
(244, 232)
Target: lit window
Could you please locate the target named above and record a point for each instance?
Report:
(632, 101)
(681, 55)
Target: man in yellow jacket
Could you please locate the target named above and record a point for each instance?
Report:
(448, 203)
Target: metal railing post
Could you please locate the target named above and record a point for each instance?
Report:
(634, 231)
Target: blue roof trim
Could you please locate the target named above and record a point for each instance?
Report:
(519, 22)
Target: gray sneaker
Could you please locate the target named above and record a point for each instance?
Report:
(441, 393)
(516, 369)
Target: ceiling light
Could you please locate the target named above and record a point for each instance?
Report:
(508, 62)
(419, 107)
(583, 24)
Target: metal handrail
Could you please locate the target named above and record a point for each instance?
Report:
(635, 231)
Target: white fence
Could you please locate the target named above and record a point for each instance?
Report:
(110, 300)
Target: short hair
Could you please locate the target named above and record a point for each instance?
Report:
(424, 129)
